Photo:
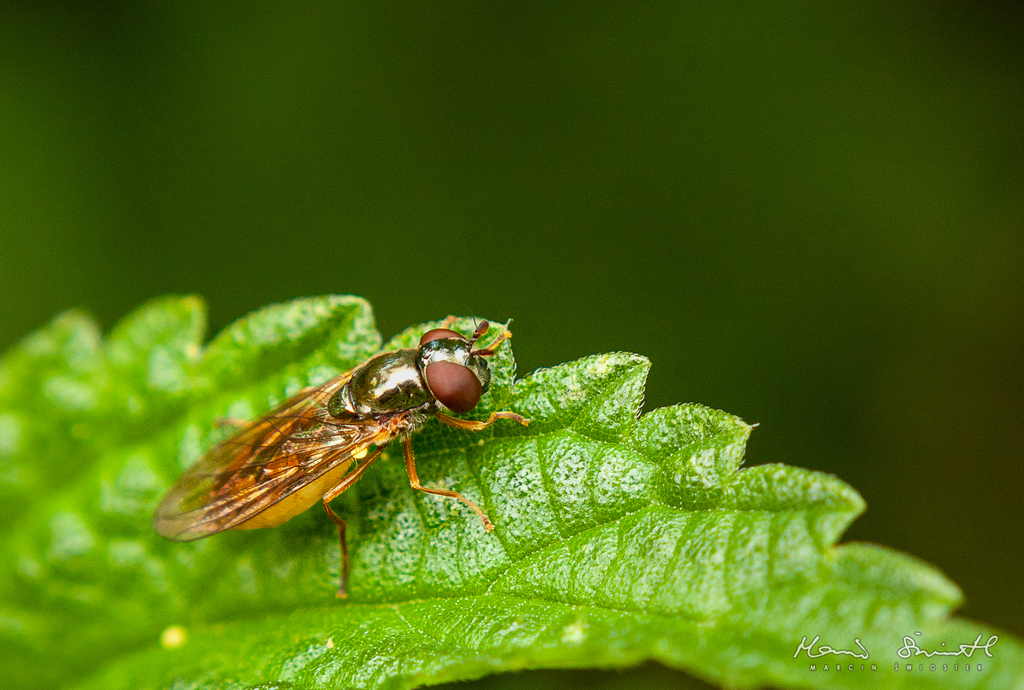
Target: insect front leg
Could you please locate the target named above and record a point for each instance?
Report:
(477, 426)
(489, 350)
(339, 489)
(414, 481)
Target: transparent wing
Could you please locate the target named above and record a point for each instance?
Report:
(283, 451)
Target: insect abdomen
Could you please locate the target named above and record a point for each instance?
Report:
(298, 502)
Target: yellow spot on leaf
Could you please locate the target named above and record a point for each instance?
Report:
(173, 637)
(574, 632)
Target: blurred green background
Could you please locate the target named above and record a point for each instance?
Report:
(810, 215)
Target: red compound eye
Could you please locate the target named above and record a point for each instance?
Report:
(438, 333)
(454, 385)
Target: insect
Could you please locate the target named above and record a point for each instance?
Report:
(315, 445)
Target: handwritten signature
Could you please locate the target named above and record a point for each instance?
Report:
(824, 649)
(910, 648)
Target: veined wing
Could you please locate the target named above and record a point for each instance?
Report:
(288, 448)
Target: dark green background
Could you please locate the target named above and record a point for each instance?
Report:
(808, 215)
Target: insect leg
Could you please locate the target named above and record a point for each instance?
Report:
(489, 350)
(414, 481)
(341, 486)
(343, 542)
(477, 426)
(232, 421)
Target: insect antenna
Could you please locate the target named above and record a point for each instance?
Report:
(489, 350)
(479, 331)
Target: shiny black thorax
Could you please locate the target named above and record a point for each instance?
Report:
(388, 382)
(394, 381)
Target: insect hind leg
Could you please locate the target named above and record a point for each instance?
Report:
(414, 481)
(343, 543)
(339, 489)
(235, 422)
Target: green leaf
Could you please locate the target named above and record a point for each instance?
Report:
(618, 539)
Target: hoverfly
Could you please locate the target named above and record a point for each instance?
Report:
(315, 445)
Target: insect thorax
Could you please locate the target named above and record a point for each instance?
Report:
(388, 382)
